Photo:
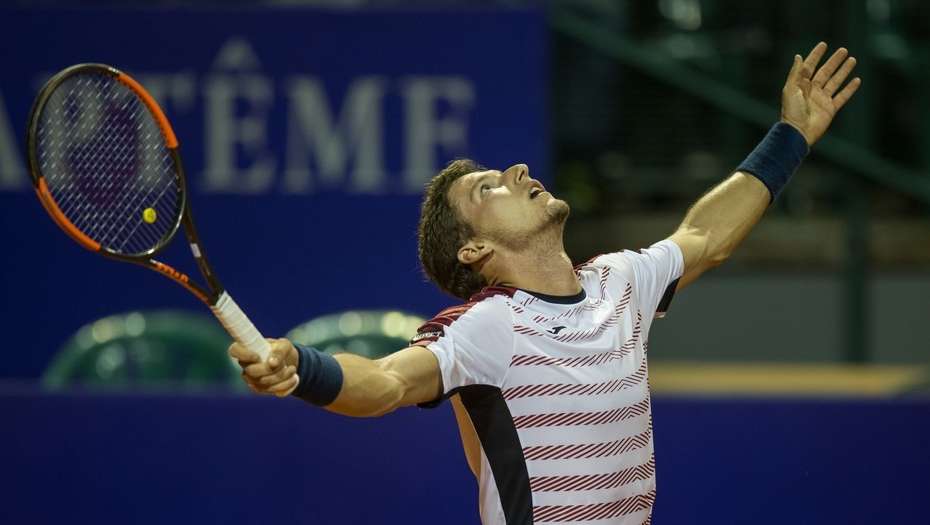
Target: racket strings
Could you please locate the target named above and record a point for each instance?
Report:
(120, 155)
(105, 162)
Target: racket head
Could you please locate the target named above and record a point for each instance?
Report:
(104, 162)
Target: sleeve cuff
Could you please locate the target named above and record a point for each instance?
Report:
(320, 376)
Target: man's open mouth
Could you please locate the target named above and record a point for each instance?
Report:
(536, 190)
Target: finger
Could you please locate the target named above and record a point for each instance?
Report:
(813, 58)
(837, 79)
(843, 97)
(278, 352)
(284, 388)
(258, 370)
(277, 377)
(829, 67)
(242, 354)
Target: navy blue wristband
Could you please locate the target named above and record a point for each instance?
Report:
(777, 157)
(320, 376)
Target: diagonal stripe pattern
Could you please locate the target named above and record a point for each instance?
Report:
(584, 335)
(588, 450)
(566, 419)
(576, 389)
(542, 319)
(609, 480)
(595, 511)
(585, 360)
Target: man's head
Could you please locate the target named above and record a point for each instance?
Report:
(472, 215)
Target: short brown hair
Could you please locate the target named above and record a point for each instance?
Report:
(442, 231)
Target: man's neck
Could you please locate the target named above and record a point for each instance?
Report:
(546, 269)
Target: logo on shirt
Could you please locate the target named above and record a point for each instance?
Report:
(426, 336)
(555, 330)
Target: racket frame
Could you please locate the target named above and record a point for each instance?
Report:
(214, 295)
(209, 295)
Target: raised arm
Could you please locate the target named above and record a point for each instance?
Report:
(718, 223)
(721, 219)
(346, 384)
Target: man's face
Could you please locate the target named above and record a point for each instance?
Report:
(507, 207)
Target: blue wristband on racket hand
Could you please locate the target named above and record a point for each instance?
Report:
(320, 376)
(777, 157)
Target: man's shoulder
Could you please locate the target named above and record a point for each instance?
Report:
(487, 306)
(487, 300)
(501, 292)
(618, 260)
(624, 259)
(604, 271)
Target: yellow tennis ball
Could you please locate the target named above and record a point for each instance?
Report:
(149, 215)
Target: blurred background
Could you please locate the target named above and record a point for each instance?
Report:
(791, 384)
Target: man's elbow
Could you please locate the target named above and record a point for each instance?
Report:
(387, 403)
(701, 251)
(371, 412)
(717, 250)
(717, 257)
(371, 407)
(710, 252)
(378, 397)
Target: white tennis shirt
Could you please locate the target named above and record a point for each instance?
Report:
(557, 390)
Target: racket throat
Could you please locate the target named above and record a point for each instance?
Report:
(180, 278)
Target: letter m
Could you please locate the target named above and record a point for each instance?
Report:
(313, 133)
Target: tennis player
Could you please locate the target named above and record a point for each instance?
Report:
(545, 363)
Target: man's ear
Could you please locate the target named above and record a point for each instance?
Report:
(474, 251)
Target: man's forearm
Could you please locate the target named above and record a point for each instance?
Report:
(367, 390)
(722, 218)
(374, 388)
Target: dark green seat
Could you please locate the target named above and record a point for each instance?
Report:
(368, 333)
(167, 350)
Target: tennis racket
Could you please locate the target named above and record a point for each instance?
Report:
(106, 167)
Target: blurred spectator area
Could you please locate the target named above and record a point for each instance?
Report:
(636, 141)
(654, 102)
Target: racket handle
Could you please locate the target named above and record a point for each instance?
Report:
(239, 326)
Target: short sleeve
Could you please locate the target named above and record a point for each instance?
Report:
(473, 343)
(653, 272)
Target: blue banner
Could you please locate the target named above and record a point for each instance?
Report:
(307, 137)
(226, 459)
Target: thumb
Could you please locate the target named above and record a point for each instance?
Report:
(276, 356)
(242, 354)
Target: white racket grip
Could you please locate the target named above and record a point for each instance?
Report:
(239, 326)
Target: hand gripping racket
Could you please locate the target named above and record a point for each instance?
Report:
(105, 165)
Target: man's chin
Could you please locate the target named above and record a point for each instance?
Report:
(557, 209)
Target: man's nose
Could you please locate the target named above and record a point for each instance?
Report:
(520, 172)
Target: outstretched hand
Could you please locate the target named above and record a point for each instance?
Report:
(276, 375)
(809, 100)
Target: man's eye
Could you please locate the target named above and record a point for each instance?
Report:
(485, 187)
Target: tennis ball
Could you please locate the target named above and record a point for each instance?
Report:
(149, 215)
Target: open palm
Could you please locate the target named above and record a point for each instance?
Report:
(809, 100)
